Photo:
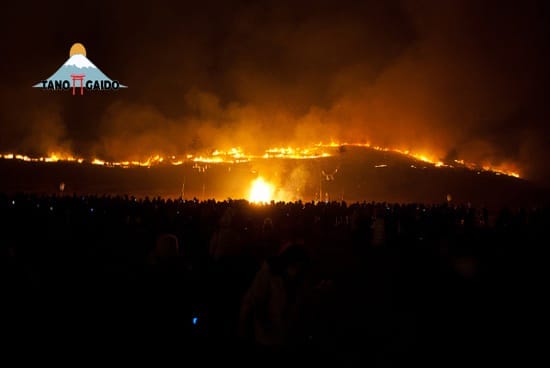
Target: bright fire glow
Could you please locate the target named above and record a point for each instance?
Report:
(238, 155)
(261, 191)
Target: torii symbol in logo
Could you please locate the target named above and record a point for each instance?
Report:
(79, 69)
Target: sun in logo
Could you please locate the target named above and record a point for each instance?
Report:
(77, 49)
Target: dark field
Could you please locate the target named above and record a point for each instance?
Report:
(425, 282)
(357, 179)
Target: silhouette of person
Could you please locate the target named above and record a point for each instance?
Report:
(272, 309)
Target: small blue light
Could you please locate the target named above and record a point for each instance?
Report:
(195, 321)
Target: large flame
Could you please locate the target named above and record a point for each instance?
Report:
(261, 191)
(238, 155)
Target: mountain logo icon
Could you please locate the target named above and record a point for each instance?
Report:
(78, 73)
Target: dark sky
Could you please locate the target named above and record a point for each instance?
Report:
(460, 79)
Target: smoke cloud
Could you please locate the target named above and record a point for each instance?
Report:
(455, 79)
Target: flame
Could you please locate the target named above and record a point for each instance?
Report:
(261, 191)
(238, 155)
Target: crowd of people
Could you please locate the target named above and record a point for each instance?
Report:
(393, 280)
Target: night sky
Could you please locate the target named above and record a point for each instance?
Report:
(461, 79)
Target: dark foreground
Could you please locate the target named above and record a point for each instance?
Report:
(397, 284)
